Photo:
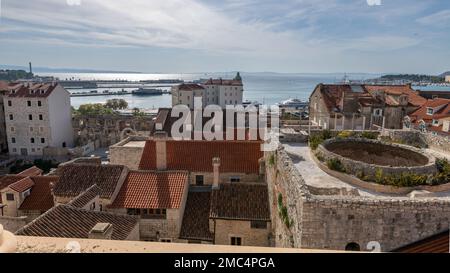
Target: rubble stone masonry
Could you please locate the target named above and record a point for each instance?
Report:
(332, 222)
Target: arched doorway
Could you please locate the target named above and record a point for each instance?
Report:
(352, 247)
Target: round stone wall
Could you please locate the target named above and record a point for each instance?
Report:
(366, 156)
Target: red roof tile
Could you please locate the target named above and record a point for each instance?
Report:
(197, 156)
(223, 82)
(33, 171)
(241, 201)
(40, 198)
(36, 90)
(413, 98)
(421, 113)
(22, 185)
(190, 87)
(65, 221)
(152, 190)
(7, 180)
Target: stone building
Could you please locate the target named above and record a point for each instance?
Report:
(335, 216)
(27, 194)
(158, 199)
(38, 116)
(432, 116)
(212, 92)
(106, 130)
(358, 107)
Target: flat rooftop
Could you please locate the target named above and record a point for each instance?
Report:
(135, 143)
(313, 176)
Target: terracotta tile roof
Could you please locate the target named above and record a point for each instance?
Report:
(223, 82)
(33, 171)
(22, 185)
(76, 178)
(84, 198)
(36, 90)
(196, 156)
(413, 97)
(240, 201)
(152, 190)
(40, 198)
(190, 87)
(7, 180)
(196, 217)
(443, 112)
(69, 222)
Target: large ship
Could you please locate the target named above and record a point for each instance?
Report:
(293, 103)
(147, 92)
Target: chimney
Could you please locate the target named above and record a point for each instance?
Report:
(216, 166)
(161, 154)
(101, 231)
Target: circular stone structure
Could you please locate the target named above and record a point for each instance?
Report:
(365, 156)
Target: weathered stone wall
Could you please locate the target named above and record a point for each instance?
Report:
(418, 139)
(225, 229)
(358, 167)
(208, 178)
(332, 222)
(13, 224)
(126, 155)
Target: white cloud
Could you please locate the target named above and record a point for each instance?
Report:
(439, 19)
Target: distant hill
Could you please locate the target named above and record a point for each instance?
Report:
(62, 70)
(412, 78)
(445, 74)
(14, 75)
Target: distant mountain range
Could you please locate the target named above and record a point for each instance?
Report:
(39, 69)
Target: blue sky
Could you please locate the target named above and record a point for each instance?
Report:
(317, 36)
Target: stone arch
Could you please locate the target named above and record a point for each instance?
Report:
(352, 247)
(126, 132)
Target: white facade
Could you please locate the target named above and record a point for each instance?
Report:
(447, 78)
(213, 92)
(36, 121)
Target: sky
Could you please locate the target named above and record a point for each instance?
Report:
(173, 36)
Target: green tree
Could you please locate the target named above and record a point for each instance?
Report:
(116, 104)
(95, 109)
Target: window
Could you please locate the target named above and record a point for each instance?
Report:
(165, 241)
(199, 180)
(13, 129)
(11, 117)
(10, 197)
(258, 224)
(9, 103)
(30, 117)
(41, 117)
(154, 213)
(32, 140)
(33, 150)
(133, 211)
(352, 247)
(435, 122)
(236, 241)
(42, 140)
(39, 103)
(235, 179)
(378, 112)
(93, 206)
(14, 150)
(430, 111)
(13, 140)
(29, 103)
(64, 145)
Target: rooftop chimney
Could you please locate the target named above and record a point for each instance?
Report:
(216, 167)
(161, 154)
(101, 231)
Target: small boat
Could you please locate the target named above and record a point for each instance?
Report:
(147, 92)
(248, 103)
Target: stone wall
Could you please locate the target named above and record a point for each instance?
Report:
(120, 154)
(13, 224)
(361, 168)
(332, 222)
(225, 229)
(423, 140)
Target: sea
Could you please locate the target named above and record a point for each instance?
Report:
(266, 87)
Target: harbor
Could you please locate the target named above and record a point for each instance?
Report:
(136, 92)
